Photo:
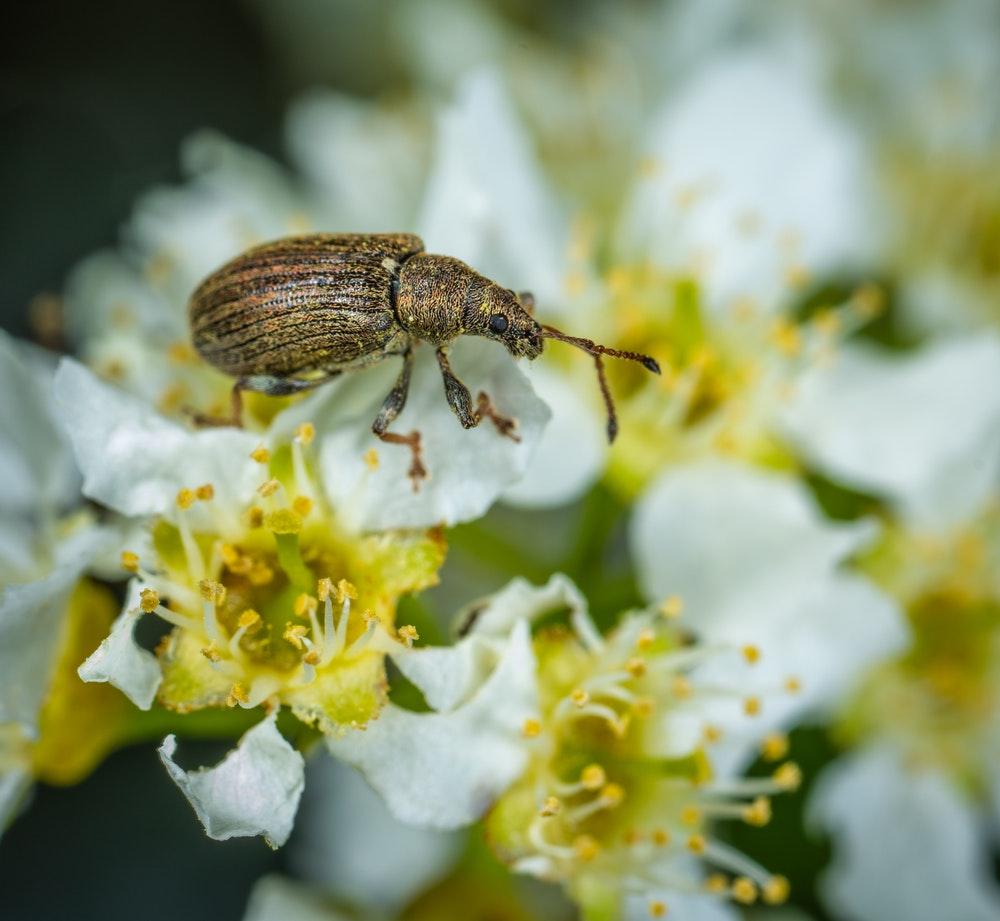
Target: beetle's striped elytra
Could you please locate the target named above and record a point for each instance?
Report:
(288, 315)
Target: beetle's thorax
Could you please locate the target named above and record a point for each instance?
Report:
(435, 295)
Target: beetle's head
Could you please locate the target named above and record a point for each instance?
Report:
(506, 317)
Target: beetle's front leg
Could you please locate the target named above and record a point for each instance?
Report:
(392, 407)
(460, 400)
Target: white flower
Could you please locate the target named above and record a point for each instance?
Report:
(274, 898)
(909, 844)
(345, 839)
(254, 791)
(752, 560)
(590, 750)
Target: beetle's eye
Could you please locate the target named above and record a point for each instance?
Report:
(498, 323)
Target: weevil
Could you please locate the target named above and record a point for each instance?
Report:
(289, 315)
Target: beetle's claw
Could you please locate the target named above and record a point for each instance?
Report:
(417, 471)
(505, 425)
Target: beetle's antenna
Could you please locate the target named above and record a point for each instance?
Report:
(598, 352)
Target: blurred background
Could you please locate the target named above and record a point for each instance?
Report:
(97, 100)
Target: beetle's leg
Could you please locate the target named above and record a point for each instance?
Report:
(260, 383)
(392, 407)
(457, 394)
(505, 425)
(460, 401)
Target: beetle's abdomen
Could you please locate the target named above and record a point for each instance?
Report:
(300, 303)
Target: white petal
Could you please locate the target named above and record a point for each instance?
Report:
(134, 461)
(907, 843)
(752, 140)
(922, 429)
(36, 466)
(255, 790)
(275, 898)
(235, 198)
(123, 662)
(468, 469)
(444, 770)
(572, 451)
(449, 675)
(738, 545)
(15, 782)
(486, 201)
(349, 150)
(31, 618)
(343, 823)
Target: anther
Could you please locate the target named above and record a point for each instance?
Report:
(612, 795)
(661, 837)
(255, 517)
(408, 634)
(645, 639)
(283, 521)
(586, 848)
(681, 687)
(580, 697)
(305, 433)
(550, 807)
(643, 707)
(268, 488)
(185, 498)
(302, 506)
(776, 890)
(751, 706)
(345, 590)
(593, 777)
(758, 813)
(205, 492)
(717, 884)
(636, 667)
(696, 844)
(260, 454)
(531, 728)
(324, 588)
(149, 601)
(249, 620)
(744, 890)
(294, 634)
(691, 816)
(788, 776)
(792, 685)
(775, 746)
(751, 654)
(711, 734)
(130, 561)
(237, 695)
(304, 605)
(657, 909)
(211, 652)
(212, 591)
(371, 459)
(672, 607)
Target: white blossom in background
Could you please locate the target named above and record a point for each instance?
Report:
(592, 754)
(917, 794)
(47, 607)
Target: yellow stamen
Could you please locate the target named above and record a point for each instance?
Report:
(593, 777)
(681, 687)
(255, 517)
(792, 685)
(776, 890)
(237, 695)
(586, 848)
(249, 620)
(744, 890)
(657, 909)
(130, 561)
(185, 498)
(149, 601)
(212, 591)
(268, 488)
(711, 734)
(672, 607)
(696, 844)
(580, 697)
(531, 728)
(751, 654)
(305, 433)
(550, 807)
(283, 521)
(345, 590)
(643, 707)
(717, 884)
(661, 837)
(260, 573)
(645, 639)
(636, 667)
(612, 794)
(775, 746)
(691, 816)
(294, 634)
(371, 459)
(408, 634)
(302, 505)
(324, 588)
(751, 706)
(788, 776)
(758, 813)
(260, 454)
(211, 652)
(305, 605)
(205, 492)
